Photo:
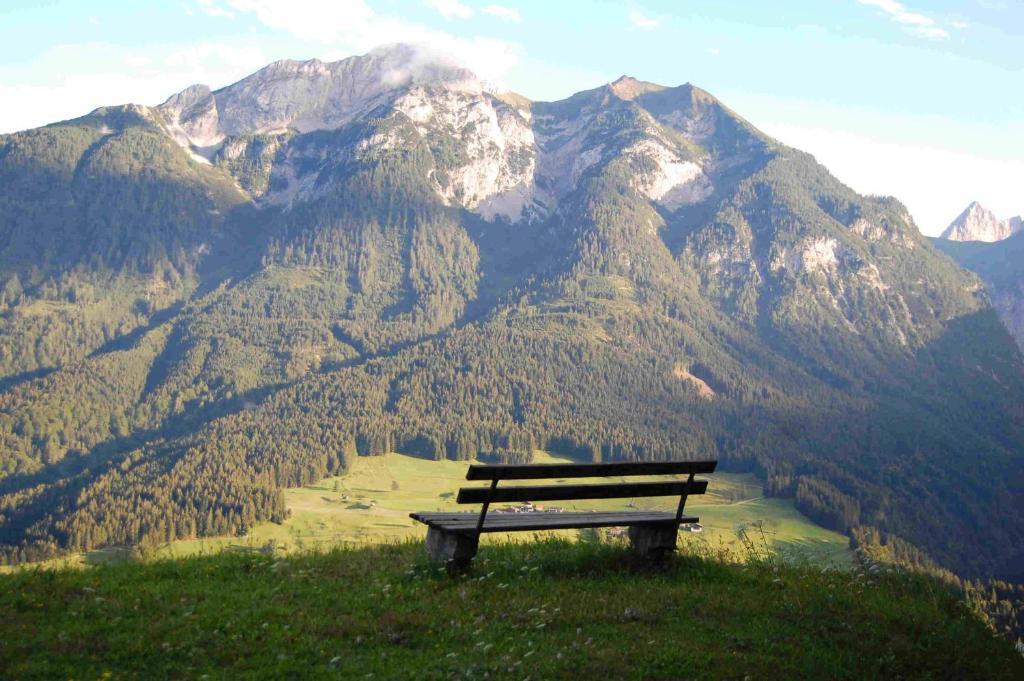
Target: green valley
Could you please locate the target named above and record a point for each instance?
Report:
(371, 503)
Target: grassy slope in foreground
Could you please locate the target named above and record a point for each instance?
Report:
(548, 610)
(371, 503)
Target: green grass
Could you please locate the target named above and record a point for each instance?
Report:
(371, 504)
(547, 610)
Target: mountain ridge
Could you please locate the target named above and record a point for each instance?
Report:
(202, 122)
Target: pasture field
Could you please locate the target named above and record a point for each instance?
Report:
(370, 504)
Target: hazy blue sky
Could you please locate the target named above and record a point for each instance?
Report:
(922, 99)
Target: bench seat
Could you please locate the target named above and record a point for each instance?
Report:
(517, 522)
(453, 537)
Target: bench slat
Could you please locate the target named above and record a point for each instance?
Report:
(586, 470)
(507, 518)
(515, 522)
(479, 495)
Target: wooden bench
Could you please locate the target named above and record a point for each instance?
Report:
(453, 538)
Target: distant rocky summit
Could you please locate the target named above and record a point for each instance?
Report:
(978, 223)
(993, 252)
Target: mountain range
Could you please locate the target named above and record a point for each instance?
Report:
(237, 291)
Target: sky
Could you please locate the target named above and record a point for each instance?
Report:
(918, 99)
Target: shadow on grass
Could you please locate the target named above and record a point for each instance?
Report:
(563, 559)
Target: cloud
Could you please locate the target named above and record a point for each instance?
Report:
(643, 21)
(209, 8)
(918, 24)
(346, 27)
(932, 32)
(502, 12)
(934, 183)
(48, 90)
(106, 74)
(319, 20)
(714, 51)
(450, 9)
(453, 9)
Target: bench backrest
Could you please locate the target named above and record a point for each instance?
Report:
(614, 490)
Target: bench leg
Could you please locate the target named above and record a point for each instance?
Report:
(653, 542)
(450, 548)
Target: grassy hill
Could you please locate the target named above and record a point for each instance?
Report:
(546, 610)
(371, 504)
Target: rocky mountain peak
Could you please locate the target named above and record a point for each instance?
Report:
(391, 66)
(978, 223)
(308, 95)
(186, 99)
(629, 88)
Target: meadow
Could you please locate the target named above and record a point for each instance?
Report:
(371, 504)
(551, 609)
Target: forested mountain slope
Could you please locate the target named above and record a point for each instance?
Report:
(1000, 265)
(331, 259)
